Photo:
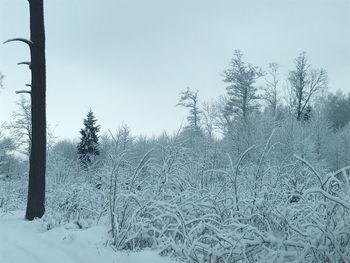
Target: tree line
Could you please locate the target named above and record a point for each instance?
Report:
(305, 88)
(251, 94)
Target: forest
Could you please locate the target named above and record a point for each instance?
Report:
(260, 174)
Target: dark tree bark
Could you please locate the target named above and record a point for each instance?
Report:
(37, 159)
(36, 189)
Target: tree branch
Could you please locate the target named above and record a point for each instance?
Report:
(24, 40)
(329, 196)
(310, 167)
(25, 63)
(23, 91)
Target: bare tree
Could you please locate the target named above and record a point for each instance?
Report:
(305, 82)
(189, 99)
(242, 93)
(21, 126)
(37, 65)
(271, 87)
(210, 115)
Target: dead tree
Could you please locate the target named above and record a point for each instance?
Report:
(37, 65)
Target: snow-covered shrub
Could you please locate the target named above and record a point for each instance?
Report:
(74, 201)
(204, 200)
(255, 211)
(13, 194)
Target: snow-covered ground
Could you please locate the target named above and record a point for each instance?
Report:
(24, 241)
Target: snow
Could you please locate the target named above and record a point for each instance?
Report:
(25, 241)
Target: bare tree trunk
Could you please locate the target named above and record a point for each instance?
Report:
(36, 189)
(299, 97)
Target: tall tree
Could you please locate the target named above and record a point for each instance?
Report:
(37, 65)
(189, 99)
(305, 82)
(88, 145)
(242, 94)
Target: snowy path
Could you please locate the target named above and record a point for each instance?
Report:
(23, 241)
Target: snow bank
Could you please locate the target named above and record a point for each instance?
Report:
(24, 241)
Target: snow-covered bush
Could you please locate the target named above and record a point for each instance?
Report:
(292, 214)
(204, 200)
(13, 194)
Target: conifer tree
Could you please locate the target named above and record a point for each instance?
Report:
(242, 93)
(88, 145)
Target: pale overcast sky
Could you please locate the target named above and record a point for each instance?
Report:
(128, 60)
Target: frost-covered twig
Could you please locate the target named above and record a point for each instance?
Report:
(310, 167)
(236, 172)
(328, 196)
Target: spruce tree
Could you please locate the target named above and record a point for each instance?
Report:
(88, 145)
